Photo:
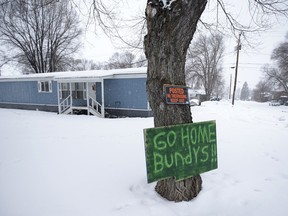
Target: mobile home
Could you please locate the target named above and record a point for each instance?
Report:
(120, 92)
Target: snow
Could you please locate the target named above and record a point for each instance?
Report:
(63, 165)
(79, 74)
(161, 3)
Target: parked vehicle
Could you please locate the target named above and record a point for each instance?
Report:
(283, 100)
(215, 99)
(274, 103)
(195, 102)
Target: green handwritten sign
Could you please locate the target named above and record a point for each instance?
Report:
(180, 151)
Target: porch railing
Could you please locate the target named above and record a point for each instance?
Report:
(94, 106)
(65, 105)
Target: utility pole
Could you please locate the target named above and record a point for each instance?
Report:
(238, 48)
(230, 87)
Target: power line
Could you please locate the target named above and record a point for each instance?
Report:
(246, 63)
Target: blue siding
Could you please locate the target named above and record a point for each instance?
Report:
(98, 92)
(79, 102)
(26, 92)
(126, 93)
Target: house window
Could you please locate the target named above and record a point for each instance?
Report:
(79, 91)
(64, 90)
(44, 86)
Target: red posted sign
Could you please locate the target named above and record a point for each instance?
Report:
(176, 94)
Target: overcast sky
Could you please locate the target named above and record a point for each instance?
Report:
(100, 48)
(251, 60)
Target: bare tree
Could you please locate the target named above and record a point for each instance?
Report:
(219, 89)
(141, 61)
(42, 33)
(204, 62)
(121, 60)
(276, 76)
(3, 59)
(280, 56)
(81, 65)
(262, 92)
(280, 74)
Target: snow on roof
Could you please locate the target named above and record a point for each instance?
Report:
(92, 74)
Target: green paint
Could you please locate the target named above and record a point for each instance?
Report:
(180, 151)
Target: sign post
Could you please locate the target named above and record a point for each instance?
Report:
(180, 151)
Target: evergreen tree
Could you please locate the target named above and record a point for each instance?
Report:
(245, 92)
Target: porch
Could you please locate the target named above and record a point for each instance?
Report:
(80, 97)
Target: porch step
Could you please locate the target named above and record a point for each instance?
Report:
(67, 111)
(94, 112)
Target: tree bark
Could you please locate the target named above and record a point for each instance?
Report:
(170, 31)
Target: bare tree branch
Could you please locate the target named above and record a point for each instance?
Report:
(42, 32)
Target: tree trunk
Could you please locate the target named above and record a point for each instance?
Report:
(170, 31)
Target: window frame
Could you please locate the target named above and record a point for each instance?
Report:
(45, 86)
(79, 90)
(64, 90)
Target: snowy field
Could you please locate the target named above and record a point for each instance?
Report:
(60, 165)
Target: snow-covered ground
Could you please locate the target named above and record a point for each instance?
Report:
(60, 165)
